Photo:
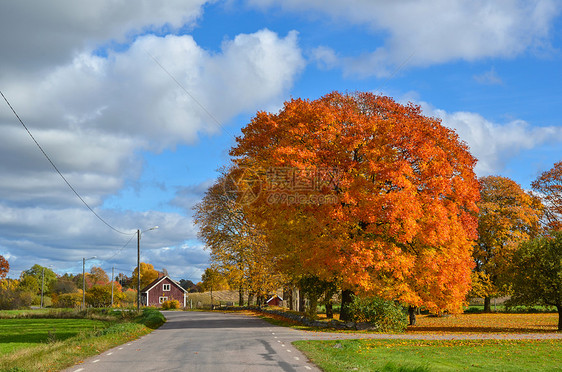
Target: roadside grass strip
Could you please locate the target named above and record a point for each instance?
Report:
(434, 355)
(53, 344)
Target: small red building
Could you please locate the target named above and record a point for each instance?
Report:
(163, 289)
(275, 300)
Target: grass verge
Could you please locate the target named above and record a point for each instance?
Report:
(422, 355)
(51, 349)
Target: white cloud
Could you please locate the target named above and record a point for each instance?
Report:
(93, 113)
(39, 34)
(489, 77)
(493, 144)
(436, 31)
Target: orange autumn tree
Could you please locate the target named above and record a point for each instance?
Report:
(4, 267)
(507, 217)
(549, 188)
(360, 190)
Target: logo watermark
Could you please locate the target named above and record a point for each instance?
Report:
(284, 185)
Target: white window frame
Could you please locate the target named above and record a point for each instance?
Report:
(166, 287)
(162, 299)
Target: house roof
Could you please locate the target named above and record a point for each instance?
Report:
(158, 280)
(272, 297)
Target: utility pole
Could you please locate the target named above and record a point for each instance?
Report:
(112, 279)
(138, 265)
(138, 270)
(42, 286)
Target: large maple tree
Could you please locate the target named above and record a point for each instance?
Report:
(359, 189)
(549, 187)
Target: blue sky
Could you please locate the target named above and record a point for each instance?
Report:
(138, 103)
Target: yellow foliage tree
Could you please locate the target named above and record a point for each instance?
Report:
(508, 216)
(238, 247)
(148, 274)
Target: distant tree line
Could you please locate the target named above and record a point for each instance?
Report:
(66, 290)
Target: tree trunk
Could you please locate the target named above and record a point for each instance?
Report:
(487, 307)
(559, 307)
(346, 299)
(240, 296)
(412, 315)
(329, 310)
(312, 310)
(301, 307)
(287, 297)
(250, 298)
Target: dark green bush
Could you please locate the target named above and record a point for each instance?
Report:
(382, 315)
(152, 318)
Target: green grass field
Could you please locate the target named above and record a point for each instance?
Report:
(416, 355)
(50, 344)
(21, 333)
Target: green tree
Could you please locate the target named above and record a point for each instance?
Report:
(536, 273)
(30, 284)
(36, 271)
(507, 216)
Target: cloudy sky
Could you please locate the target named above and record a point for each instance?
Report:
(138, 102)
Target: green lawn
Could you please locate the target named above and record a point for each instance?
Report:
(21, 333)
(417, 355)
(39, 343)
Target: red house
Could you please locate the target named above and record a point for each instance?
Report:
(275, 300)
(163, 289)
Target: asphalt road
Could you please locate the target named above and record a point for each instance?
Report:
(205, 341)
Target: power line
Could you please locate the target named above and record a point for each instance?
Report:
(189, 94)
(56, 169)
(121, 249)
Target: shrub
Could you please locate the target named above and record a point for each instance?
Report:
(170, 305)
(382, 315)
(69, 300)
(11, 299)
(152, 318)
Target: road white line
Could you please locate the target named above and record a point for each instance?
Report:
(79, 369)
(108, 353)
(307, 367)
(120, 348)
(288, 350)
(95, 361)
(283, 345)
(296, 358)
